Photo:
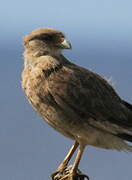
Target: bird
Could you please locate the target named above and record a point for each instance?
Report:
(75, 101)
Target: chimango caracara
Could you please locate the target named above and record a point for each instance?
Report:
(75, 101)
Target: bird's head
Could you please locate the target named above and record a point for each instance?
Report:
(45, 41)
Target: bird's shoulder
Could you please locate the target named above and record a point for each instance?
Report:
(89, 96)
(81, 82)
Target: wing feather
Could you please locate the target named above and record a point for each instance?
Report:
(91, 99)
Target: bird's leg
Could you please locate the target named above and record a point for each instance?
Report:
(64, 163)
(78, 158)
(74, 172)
(68, 156)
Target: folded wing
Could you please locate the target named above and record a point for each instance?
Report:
(89, 97)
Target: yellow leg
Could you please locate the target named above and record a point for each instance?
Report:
(74, 172)
(64, 163)
(69, 155)
(78, 158)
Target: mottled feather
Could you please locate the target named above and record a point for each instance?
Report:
(75, 101)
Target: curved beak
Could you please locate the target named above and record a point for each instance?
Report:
(65, 44)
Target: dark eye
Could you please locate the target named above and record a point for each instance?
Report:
(46, 37)
(43, 37)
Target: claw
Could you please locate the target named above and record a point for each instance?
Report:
(66, 174)
(59, 174)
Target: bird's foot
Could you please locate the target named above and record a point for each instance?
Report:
(67, 174)
(59, 172)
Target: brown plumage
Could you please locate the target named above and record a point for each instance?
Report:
(75, 101)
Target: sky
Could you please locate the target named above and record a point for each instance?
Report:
(101, 37)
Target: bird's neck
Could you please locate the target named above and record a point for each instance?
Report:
(37, 52)
(30, 59)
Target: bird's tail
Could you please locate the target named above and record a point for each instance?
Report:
(127, 134)
(128, 105)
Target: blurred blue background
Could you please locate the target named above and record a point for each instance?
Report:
(101, 35)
